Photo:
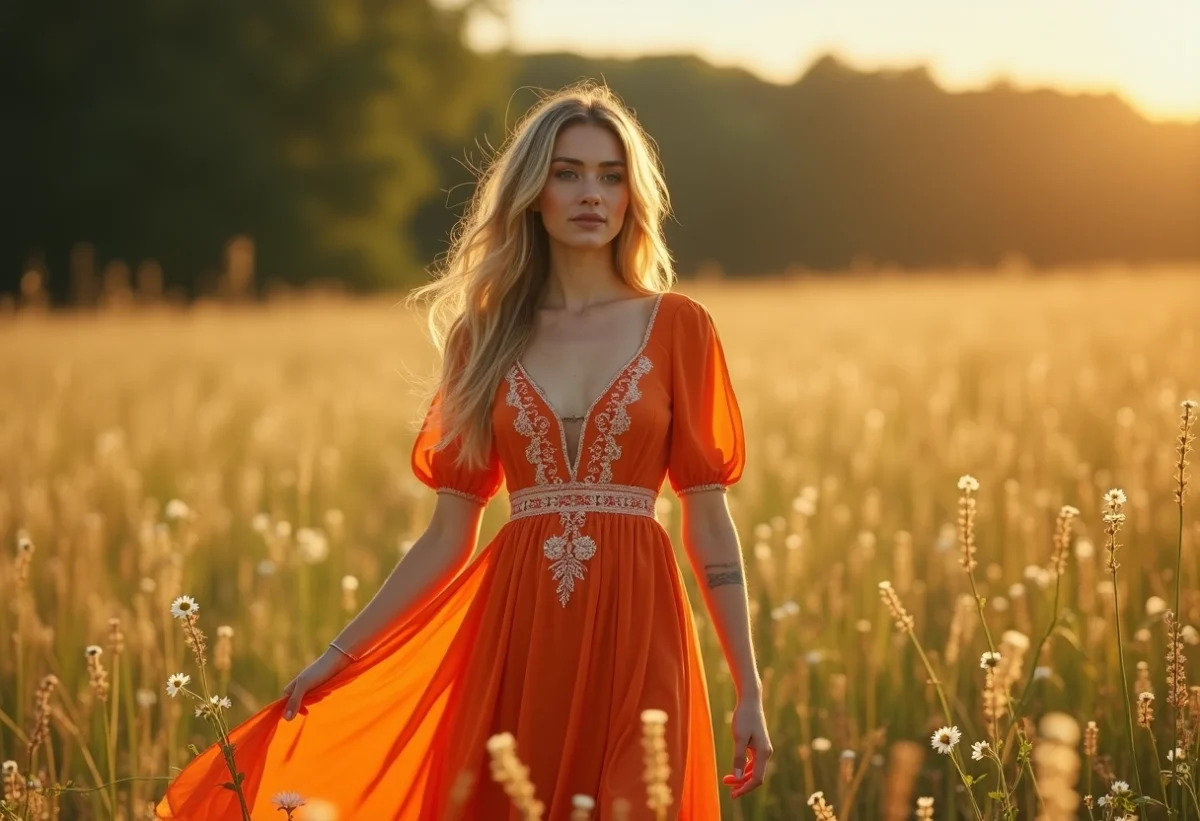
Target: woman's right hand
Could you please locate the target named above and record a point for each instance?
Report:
(330, 663)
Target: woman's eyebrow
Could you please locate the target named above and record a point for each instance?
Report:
(603, 163)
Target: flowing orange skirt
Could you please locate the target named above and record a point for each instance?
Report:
(497, 651)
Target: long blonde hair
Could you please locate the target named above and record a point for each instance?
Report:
(484, 299)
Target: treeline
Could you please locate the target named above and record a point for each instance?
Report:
(220, 145)
(844, 168)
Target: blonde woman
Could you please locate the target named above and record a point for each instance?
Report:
(575, 377)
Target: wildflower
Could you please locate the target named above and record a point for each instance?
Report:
(989, 660)
(822, 745)
(978, 749)
(9, 767)
(1145, 708)
(289, 800)
(925, 808)
(581, 807)
(1119, 788)
(1184, 447)
(904, 621)
(183, 607)
(945, 739)
(966, 522)
(177, 509)
(823, 811)
(221, 701)
(176, 682)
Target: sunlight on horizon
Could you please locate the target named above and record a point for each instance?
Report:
(1138, 51)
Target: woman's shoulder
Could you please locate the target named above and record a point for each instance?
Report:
(683, 306)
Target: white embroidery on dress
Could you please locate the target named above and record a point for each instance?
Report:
(568, 551)
(614, 421)
(534, 427)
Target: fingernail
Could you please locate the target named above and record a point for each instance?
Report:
(288, 715)
(737, 773)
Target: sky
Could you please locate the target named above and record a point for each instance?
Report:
(1146, 51)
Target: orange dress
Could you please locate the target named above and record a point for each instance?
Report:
(571, 622)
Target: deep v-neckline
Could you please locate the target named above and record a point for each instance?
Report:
(573, 464)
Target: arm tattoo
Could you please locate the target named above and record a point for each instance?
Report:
(723, 573)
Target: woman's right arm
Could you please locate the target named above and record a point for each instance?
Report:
(429, 566)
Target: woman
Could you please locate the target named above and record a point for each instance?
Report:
(574, 376)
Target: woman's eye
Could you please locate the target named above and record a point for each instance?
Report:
(564, 171)
(614, 177)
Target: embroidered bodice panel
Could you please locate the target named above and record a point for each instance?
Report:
(668, 414)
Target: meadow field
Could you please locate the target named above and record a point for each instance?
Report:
(939, 468)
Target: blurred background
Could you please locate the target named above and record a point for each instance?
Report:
(203, 149)
(940, 240)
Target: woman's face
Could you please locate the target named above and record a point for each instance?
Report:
(584, 199)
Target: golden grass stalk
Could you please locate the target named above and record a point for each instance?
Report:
(658, 767)
(1057, 765)
(904, 623)
(822, 810)
(513, 776)
(904, 766)
(1176, 681)
(1113, 519)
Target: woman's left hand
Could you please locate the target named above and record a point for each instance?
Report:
(751, 747)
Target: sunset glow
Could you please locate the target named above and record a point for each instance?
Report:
(1140, 51)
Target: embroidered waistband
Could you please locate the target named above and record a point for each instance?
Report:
(582, 497)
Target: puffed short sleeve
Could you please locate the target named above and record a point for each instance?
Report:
(708, 449)
(436, 466)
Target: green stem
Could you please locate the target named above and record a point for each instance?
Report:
(1171, 696)
(1157, 768)
(1125, 685)
(970, 790)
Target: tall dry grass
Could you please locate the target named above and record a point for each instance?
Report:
(257, 460)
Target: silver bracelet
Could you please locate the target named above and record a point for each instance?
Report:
(335, 646)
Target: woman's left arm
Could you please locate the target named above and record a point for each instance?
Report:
(711, 543)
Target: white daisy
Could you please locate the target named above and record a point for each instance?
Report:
(822, 744)
(989, 660)
(812, 799)
(288, 800)
(221, 701)
(93, 651)
(175, 683)
(183, 607)
(1119, 788)
(1115, 496)
(1102, 800)
(978, 749)
(968, 483)
(945, 739)
(9, 767)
